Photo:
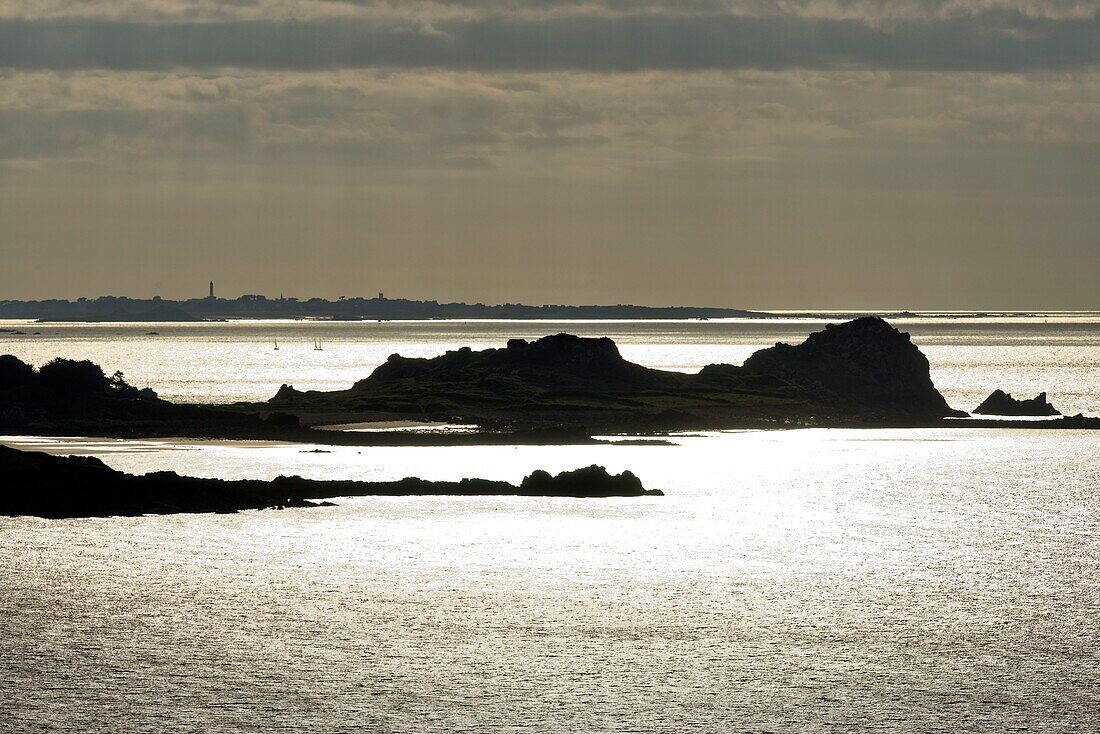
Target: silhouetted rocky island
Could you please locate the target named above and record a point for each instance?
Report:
(1001, 403)
(860, 372)
(555, 390)
(39, 484)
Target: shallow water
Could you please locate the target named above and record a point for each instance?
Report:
(810, 580)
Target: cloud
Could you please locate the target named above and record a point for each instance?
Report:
(872, 12)
(419, 120)
(995, 41)
(587, 123)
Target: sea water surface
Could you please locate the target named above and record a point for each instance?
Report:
(808, 580)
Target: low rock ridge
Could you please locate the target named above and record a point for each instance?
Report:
(49, 486)
(559, 359)
(1002, 403)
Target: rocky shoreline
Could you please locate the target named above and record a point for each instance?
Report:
(560, 389)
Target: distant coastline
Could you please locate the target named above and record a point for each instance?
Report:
(380, 308)
(121, 308)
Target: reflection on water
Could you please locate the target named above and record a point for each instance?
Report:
(231, 361)
(801, 580)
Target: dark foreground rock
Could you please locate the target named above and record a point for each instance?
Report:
(43, 485)
(1001, 403)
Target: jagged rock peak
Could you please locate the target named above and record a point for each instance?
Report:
(1001, 403)
(286, 390)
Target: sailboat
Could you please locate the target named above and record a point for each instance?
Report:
(276, 344)
(316, 345)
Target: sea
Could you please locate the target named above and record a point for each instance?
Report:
(813, 580)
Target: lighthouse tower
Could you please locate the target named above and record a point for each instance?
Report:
(211, 296)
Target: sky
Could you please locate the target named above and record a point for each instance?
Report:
(939, 154)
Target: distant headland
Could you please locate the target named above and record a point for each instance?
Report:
(211, 307)
(380, 308)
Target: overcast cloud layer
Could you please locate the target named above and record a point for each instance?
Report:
(995, 41)
(801, 153)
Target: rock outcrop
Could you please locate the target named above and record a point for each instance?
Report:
(39, 484)
(590, 481)
(1001, 403)
(865, 362)
(861, 370)
(557, 360)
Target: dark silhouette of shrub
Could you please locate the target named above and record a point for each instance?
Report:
(73, 378)
(119, 384)
(14, 372)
